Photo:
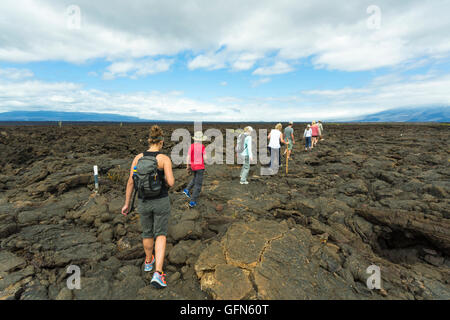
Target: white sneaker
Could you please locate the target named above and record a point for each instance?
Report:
(245, 182)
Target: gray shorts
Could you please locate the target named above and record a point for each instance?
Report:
(154, 215)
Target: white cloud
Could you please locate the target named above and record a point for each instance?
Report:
(256, 83)
(136, 68)
(229, 100)
(346, 103)
(391, 92)
(37, 95)
(236, 61)
(265, 37)
(334, 34)
(245, 61)
(15, 74)
(209, 61)
(278, 68)
(331, 93)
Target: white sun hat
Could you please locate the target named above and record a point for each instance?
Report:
(198, 136)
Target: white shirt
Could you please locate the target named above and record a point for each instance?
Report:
(308, 133)
(275, 139)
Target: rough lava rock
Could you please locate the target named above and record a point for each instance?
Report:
(369, 194)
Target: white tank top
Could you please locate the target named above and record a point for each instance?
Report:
(275, 138)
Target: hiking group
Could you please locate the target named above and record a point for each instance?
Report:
(151, 176)
(313, 133)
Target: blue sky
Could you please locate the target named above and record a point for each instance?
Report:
(253, 60)
(198, 83)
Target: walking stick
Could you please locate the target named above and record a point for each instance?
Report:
(287, 165)
(287, 162)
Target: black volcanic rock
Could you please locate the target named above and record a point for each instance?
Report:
(366, 195)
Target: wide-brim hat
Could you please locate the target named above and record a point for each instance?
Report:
(198, 136)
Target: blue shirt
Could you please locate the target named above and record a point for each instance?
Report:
(247, 147)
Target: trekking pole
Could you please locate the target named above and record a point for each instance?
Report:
(287, 163)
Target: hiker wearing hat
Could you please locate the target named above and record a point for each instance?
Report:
(289, 136)
(308, 135)
(247, 154)
(195, 162)
(153, 201)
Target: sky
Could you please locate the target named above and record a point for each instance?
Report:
(228, 60)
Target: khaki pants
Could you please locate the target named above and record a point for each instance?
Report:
(154, 215)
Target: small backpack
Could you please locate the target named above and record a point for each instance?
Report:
(146, 179)
(240, 143)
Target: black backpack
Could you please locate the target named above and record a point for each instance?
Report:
(146, 179)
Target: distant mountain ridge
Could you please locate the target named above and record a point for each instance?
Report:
(424, 114)
(66, 116)
(416, 114)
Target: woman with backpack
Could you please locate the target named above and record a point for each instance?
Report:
(246, 151)
(153, 201)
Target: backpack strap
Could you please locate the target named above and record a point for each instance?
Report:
(150, 153)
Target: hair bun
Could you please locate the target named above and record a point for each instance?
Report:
(156, 134)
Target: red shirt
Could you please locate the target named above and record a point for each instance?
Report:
(315, 130)
(196, 152)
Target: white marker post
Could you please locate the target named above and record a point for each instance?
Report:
(96, 178)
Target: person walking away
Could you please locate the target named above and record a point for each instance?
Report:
(247, 154)
(315, 134)
(289, 136)
(308, 135)
(275, 136)
(195, 162)
(320, 130)
(153, 201)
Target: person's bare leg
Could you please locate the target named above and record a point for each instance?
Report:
(148, 248)
(160, 251)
